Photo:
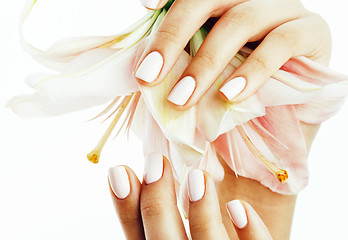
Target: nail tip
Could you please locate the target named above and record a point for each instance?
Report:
(149, 4)
(196, 185)
(233, 88)
(153, 167)
(237, 213)
(182, 91)
(119, 181)
(150, 67)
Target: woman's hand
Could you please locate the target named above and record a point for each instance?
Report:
(149, 210)
(283, 29)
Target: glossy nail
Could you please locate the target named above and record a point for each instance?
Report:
(119, 181)
(237, 213)
(233, 88)
(150, 67)
(153, 168)
(182, 91)
(196, 185)
(152, 4)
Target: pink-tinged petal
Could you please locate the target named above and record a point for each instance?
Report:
(324, 105)
(313, 72)
(147, 129)
(211, 164)
(99, 73)
(31, 106)
(216, 116)
(317, 91)
(273, 135)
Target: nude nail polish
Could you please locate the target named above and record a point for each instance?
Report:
(150, 67)
(119, 181)
(233, 88)
(237, 213)
(152, 4)
(182, 91)
(196, 185)
(153, 168)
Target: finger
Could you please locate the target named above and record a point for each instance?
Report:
(204, 211)
(161, 217)
(246, 222)
(169, 41)
(248, 20)
(154, 4)
(294, 38)
(125, 191)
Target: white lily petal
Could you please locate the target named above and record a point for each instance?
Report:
(99, 72)
(58, 55)
(32, 106)
(34, 79)
(182, 124)
(76, 45)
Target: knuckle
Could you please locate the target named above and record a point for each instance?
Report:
(207, 60)
(201, 225)
(151, 208)
(169, 32)
(287, 36)
(128, 219)
(242, 15)
(258, 62)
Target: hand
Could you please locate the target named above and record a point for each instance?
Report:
(149, 210)
(283, 29)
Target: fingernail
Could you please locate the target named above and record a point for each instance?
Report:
(150, 67)
(152, 4)
(119, 181)
(153, 168)
(234, 87)
(196, 185)
(237, 213)
(182, 91)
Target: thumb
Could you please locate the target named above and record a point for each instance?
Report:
(246, 222)
(154, 4)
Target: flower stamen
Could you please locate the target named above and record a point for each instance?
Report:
(280, 174)
(94, 155)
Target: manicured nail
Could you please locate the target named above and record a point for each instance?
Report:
(119, 181)
(237, 213)
(182, 91)
(234, 87)
(152, 4)
(196, 185)
(153, 168)
(150, 67)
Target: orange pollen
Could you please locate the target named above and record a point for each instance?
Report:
(93, 157)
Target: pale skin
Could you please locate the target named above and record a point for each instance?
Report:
(150, 212)
(282, 29)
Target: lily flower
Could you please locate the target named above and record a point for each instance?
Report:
(260, 138)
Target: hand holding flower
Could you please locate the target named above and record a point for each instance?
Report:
(283, 29)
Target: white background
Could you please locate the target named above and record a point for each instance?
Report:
(48, 189)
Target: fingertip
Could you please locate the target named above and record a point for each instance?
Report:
(237, 213)
(119, 181)
(233, 89)
(149, 69)
(153, 4)
(153, 170)
(246, 221)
